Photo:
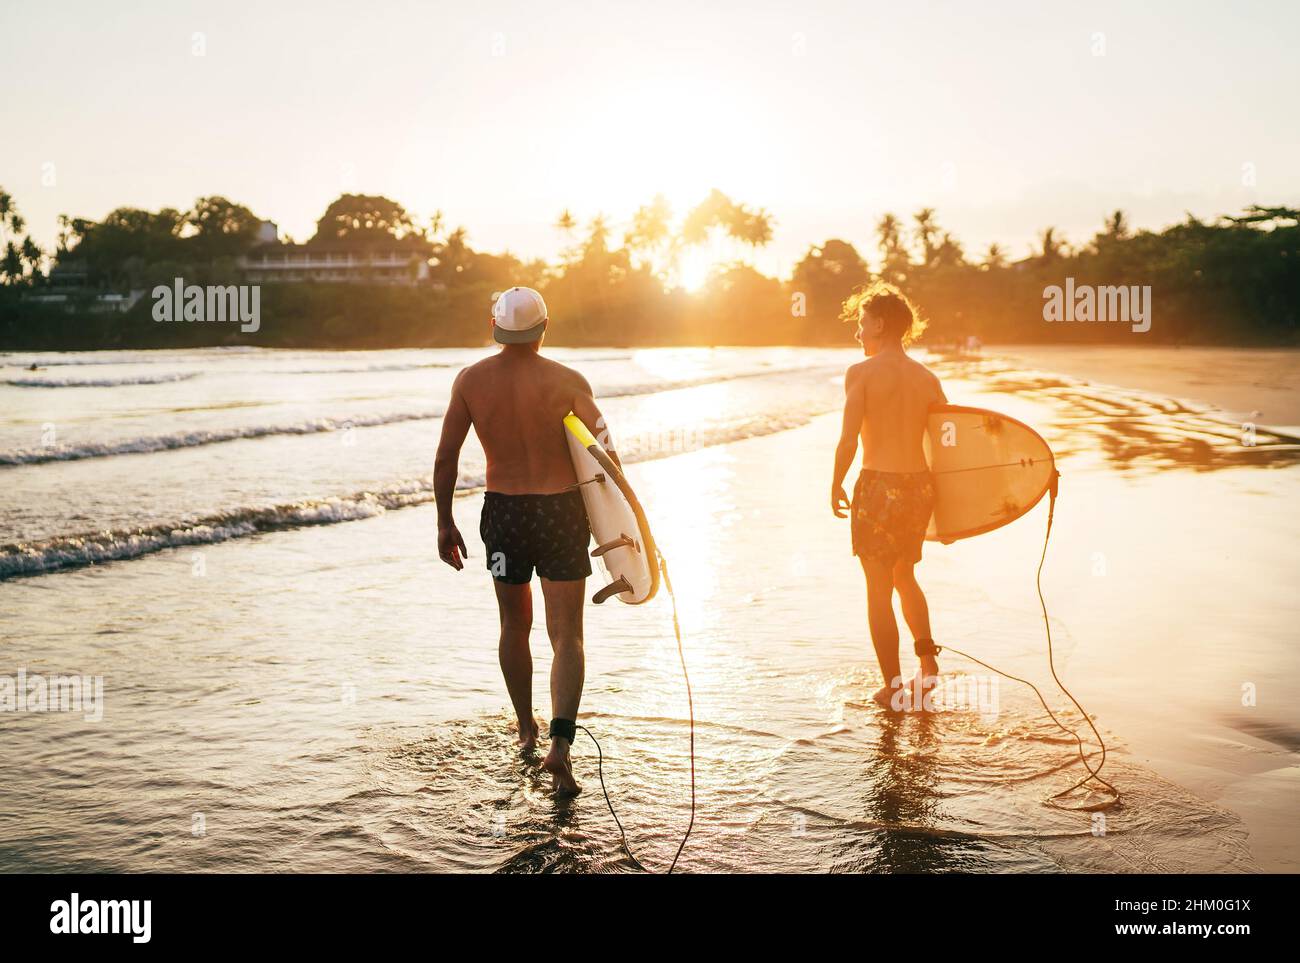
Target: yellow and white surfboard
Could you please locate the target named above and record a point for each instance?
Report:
(624, 545)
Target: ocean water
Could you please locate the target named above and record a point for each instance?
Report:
(241, 545)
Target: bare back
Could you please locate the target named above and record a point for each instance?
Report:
(898, 394)
(517, 401)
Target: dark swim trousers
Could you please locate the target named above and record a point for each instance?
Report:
(891, 511)
(548, 533)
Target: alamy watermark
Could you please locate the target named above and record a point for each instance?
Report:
(962, 692)
(1127, 304)
(130, 917)
(215, 303)
(53, 693)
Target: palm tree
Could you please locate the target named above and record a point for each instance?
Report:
(6, 209)
(926, 230)
(719, 216)
(11, 222)
(1050, 246)
(20, 257)
(651, 226)
(32, 254)
(894, 259)
(598, 236)
(888, 230)
(11, 264)
(948, 252)
(1257, 214)
(453, 256)
(752, 228)
(65, 233)
(436, 226)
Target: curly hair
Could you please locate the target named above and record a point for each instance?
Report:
(884, 301)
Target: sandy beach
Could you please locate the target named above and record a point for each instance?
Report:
(1199, 601)
(1250, 384)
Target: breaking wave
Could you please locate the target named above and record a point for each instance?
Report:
(93, 548)
(127, 356)
(101, 382)
(191, 439)
(365, 369)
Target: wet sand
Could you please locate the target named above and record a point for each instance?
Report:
(1259, 384)
(1196, 536)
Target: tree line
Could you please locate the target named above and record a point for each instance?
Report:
(1231, 280)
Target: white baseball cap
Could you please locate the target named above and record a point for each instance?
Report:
(519, 316)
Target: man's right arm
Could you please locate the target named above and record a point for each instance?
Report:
(855, 404)
(446, 466)
(584, 406)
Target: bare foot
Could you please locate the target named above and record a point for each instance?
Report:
(558, 765)
(885, 696)
(527, 735)
(924, 683)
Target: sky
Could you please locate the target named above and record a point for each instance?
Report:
(1005, 117)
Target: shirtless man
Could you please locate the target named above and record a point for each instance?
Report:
(887, 399)
(533, 517)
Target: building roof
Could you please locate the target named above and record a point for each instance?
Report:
(411, 243)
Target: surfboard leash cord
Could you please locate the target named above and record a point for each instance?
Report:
(1094, 775)
(690, 704)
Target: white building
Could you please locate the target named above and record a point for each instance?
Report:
(340, 261)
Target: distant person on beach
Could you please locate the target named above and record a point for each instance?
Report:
(886, 401)
(533, 515)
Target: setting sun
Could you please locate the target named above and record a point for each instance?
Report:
(694, 268)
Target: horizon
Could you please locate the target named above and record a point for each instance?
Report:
(767, 110)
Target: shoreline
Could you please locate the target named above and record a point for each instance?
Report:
(1180, 372)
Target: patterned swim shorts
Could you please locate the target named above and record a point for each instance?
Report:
(548, 533)
(891, 511)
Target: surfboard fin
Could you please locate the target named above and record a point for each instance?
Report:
(616, 587)
(621, 541)
(598, 479)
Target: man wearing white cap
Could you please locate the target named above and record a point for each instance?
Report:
(533, 516)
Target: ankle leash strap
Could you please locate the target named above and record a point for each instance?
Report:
(926, 647)
(564, 729)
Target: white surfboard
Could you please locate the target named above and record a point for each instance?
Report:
(989, 469)
(624, 545)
